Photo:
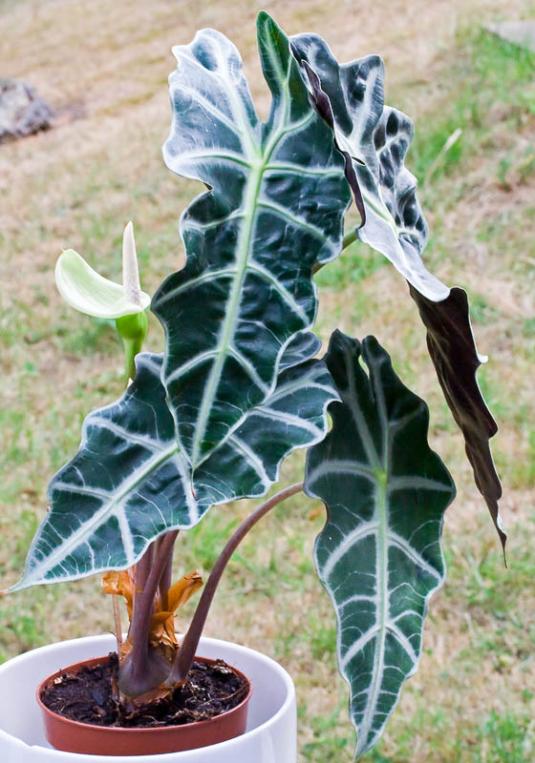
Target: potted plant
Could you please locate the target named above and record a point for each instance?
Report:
(237, 388)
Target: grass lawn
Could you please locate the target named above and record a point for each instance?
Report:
(103, 66)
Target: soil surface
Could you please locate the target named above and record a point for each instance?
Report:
(90, 696)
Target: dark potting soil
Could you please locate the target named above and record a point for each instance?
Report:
(88, 696)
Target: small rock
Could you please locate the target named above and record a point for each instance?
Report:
(521, 33)
(22, 111)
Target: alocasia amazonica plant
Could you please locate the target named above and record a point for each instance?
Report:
(238, 386)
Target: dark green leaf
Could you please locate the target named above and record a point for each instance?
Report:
(129, 482)
(273, 213)
(379, 553)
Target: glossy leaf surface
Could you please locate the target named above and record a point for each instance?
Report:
(273, 213)
(379, 553)
(453, 351)
(129, 482)
(376, 138)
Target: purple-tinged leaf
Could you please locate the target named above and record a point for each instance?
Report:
(453, 351)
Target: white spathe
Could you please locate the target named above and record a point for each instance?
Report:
(271, 728)
(90, 293)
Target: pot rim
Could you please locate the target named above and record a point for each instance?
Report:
(107, 642)
(195, 725)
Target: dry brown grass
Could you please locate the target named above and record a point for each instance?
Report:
(104, 68)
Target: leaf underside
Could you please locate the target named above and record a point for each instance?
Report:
(453, 352)
(377, 138)
(273, 212)
(129, 482)
(379, 554)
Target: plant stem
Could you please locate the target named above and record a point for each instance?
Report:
(149, 571)
(133, 331)
(186, 653)
(167, 575)
(131, 348)
(349, 239)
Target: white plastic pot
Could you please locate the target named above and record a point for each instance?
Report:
(271, 727)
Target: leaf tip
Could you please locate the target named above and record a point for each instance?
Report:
(20, 585)
(263, 18)
(267, 27)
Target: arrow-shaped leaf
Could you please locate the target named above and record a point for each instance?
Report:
(375, 139)
(129, 481)
(379, 553)
(273, 213)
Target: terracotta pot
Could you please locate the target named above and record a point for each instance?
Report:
(85, 738)
(271, 735)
